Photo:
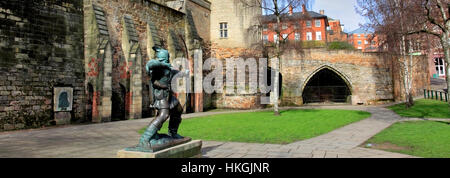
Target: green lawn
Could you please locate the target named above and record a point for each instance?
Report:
(430, 139)
(264, 127)
(424, 108)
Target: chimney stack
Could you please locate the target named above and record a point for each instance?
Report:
(304, 9)
(322, 12)
(291, 10)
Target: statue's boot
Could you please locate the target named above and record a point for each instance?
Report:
(174, 122)
(150, 133)
(144, 142)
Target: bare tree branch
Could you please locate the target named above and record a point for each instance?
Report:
(431, 19)
(424, 31)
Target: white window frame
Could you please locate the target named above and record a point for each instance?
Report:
(275, 38)
(317, 21)
(309, 36)
(266, 38)
(319, 36)
(297, 36)
(308, 23)
(440, 66)
(285, 37)
(366, 42)
(284, 26)
(223, 28)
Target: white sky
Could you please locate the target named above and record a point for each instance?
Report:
(343, 10)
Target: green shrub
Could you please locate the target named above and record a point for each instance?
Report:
(340, 45)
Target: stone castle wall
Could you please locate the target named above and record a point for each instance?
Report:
(373, 78)
(165, 23)
(97, 47)
(41, 47)
(234, 101)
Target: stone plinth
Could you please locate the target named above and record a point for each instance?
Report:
(62, 118)
(190, 149)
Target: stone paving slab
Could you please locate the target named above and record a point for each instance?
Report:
(104, 140)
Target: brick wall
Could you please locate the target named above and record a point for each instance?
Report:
(41, 47)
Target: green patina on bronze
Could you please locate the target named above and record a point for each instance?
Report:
(161, 74)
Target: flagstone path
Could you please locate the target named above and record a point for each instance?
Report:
(105, 139)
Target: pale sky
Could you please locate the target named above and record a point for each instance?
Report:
(343, 10)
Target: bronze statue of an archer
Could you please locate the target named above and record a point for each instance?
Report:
(167, 105)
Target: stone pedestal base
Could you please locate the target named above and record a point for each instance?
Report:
(62, 118)
(190, 149)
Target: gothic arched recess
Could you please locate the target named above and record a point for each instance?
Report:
(327, 86)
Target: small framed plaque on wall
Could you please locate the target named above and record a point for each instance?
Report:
(63, 99)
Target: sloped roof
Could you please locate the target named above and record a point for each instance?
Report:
(360, 31)
(295, 16)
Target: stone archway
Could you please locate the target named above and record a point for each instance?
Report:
(327, 85)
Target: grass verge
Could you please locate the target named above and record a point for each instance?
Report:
(264, 127)
(424, 108)
(429, 139)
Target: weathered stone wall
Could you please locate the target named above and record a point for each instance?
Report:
(421, 76)
(153, 23)
(373, 78)
(201, 13)
(234, 100)
(41, 47)
(240, 19)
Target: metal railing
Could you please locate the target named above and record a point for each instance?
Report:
(436, 95)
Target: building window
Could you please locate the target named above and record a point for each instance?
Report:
(284, 26)
(285, 37)
(297, 36)
(318, 36)
(224, 30)
(308, 23)
(366, 42)
(359, 42)
(359, 35)
(440, 67)
(275, 26)
(265, 28)
(318, 24)
(275, 38)
(266, 38)
(309, 36)
(296, 26)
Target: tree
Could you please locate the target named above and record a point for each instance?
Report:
(279, 10)
(405, 23)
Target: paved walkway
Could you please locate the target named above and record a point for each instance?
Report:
(104, 140)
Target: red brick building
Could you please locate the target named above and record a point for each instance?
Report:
(363, 40)
(299, 26)
(335, 31)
